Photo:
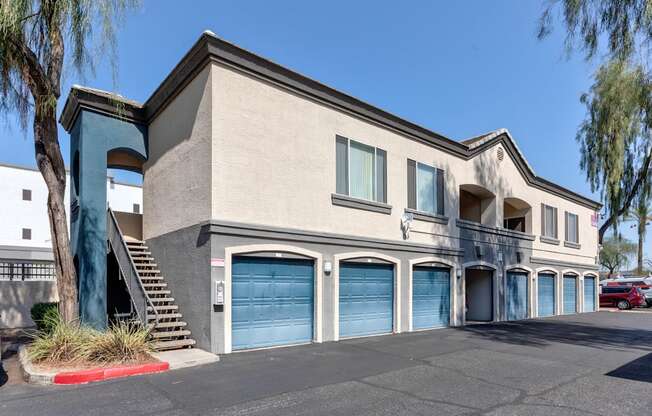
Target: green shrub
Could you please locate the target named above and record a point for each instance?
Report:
(68, 343)
(39, 312)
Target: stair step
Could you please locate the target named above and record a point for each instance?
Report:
(179, 343)
(145, 278)
(155, 285)
(151, 292)
(141, 253)
(175, 324)
(164, 307)
(167, 334)
(140, 268)
(138, 247)
(164, 316)
(148, 272)
(144, 260)
(166, 299)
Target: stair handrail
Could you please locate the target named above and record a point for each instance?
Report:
(114, 232)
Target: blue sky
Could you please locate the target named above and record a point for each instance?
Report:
(459, 68)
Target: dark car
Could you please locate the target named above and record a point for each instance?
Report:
(623, 297)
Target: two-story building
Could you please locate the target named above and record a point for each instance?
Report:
(282, 211)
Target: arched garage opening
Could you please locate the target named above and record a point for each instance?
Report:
(367, 295)
(272, 296)
(479, 292)
(431, 295)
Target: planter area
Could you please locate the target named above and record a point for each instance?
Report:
(39, 374)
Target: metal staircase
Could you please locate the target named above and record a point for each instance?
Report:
(152, 300)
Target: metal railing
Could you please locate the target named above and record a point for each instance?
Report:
(134, 284)
(27, 270)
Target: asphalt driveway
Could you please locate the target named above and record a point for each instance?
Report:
(590, 364)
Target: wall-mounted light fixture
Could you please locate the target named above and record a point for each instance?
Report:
(328, 267)
(458, 273)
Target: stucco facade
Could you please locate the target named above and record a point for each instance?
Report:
(242, 161)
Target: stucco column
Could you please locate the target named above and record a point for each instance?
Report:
(92, 137)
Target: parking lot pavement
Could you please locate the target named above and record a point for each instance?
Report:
(590, 364)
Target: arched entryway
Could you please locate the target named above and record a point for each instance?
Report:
(480, 289)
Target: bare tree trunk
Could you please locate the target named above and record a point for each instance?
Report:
(50, 163)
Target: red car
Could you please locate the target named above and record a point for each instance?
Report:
(623, 297)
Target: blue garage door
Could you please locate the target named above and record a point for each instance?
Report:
(430, 297)
(546, 295)
(366, 299)
(272, 302)
(517, 295)
(570, 295)
(589, 294)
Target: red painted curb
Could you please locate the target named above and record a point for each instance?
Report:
(99, 374)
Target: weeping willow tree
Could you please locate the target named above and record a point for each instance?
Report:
(615, 136)
(34, 38)
(615, 139)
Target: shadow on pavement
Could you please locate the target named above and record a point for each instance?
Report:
(639, 369)
(3, 376)
(543, 332)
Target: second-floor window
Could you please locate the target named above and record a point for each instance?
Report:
(548, 221)
(27, 194)
(136, 209)
(572, 228)
(361, 170)
(425, 188)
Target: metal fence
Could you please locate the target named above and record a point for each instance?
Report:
(26, 270)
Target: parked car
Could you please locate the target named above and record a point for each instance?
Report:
(623, 297)
(644, 283)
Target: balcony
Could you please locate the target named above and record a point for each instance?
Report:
(477, 205)
(478, 214)
(517, 215)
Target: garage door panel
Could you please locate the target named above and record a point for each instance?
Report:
(430, 297)
(366, 299)
(546, 295)
(570, 295)
(589, 294)
(272, 302)
(516, 295)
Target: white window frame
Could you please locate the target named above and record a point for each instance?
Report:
(375, 173)
(416, 187)
(567, 229)
(554, 235)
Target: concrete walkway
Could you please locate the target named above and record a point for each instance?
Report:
(590, 364)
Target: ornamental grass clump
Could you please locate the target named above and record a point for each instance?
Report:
(62, 342)
(123, 342)
(72, 344)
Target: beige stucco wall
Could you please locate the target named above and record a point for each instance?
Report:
(17, 299)
(177, 175)
(130, 224)
(274, 164)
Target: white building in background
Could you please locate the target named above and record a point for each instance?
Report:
(25, 241)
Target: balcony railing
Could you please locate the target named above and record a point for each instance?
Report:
(474, 226)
